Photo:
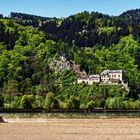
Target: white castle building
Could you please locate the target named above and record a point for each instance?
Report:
(112, 76)
(106, 77)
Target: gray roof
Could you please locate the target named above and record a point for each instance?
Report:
(111, 71)
(105, 72)
(116, 71)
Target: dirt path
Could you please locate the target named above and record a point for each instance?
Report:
(70, 129)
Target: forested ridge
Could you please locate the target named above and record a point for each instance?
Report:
(29, 43)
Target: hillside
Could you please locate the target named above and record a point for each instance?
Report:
(94, 41)
(131, 16)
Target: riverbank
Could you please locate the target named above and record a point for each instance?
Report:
(69, 115)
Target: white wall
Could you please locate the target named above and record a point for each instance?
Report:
(116, 76)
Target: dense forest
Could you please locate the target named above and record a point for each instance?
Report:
(29, 43)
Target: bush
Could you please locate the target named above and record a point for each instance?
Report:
(49, 101)
(26, 101)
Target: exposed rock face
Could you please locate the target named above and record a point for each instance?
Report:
(60, 65)
(64, 63)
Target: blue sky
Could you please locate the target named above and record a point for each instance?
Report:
(63, 8)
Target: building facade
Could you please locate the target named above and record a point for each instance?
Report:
(106, 77)
(89, 80)
(112, 76)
